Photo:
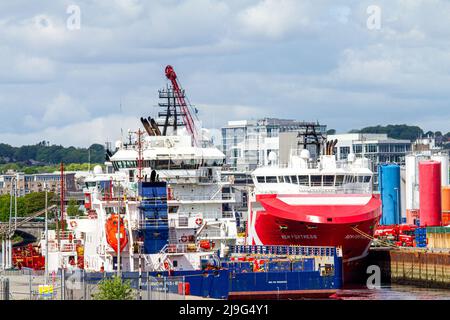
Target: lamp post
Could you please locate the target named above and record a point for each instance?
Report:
(46, 233)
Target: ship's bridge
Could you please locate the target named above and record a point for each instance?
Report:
(324, 176)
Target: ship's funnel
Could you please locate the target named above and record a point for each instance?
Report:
(154, 125)
(147, 127)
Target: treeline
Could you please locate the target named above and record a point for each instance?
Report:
(26, 205)
(33, 169)
(45, 154)
(403, 131)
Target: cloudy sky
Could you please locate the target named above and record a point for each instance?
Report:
(237, 59)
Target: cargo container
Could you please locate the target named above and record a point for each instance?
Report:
(303, 265)
(279, 266)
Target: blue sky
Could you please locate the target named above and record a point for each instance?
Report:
(237, 59)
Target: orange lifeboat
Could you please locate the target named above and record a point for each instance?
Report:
(111, 232)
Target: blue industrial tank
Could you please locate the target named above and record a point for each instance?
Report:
(389, 187)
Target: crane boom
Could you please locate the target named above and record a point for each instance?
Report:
(187, 116)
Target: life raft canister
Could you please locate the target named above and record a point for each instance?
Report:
(166, 265)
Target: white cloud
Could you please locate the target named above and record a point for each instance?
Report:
(308, 60)
(64, 109)
(274, 18)
(79, 134)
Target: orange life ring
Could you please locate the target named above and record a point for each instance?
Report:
(199, 221)
(73, 224)
(183, 238)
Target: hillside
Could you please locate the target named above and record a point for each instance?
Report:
(403, 131)
(45, 154)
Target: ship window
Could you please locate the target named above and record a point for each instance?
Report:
(339, 180)
(287, 179)
(316, 181)
(303, 180)
(281, 179)
(261, 179)
(271, 179)
(367, 179)
(328, 181)
(294, 179)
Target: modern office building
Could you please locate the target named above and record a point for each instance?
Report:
(248, 143)
(379, 148)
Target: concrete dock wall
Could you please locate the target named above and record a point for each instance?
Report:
(415, 267)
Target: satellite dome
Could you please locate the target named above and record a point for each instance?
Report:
(98, 170)
(305, 154)
(119, 144)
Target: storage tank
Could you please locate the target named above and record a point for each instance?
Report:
(430, 193)
(412, 186)
(446, 205)
(389, 187)
(443, 159)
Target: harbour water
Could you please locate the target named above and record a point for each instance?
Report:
(394, 292)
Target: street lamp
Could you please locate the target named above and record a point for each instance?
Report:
(46, 233)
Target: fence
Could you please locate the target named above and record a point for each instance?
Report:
(78, 285)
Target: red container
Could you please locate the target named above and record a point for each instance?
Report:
(430, 193)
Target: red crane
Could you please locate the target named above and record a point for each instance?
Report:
(187, 116)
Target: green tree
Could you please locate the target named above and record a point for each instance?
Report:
(72, 208)
(26, 205)
(114, 289)
(395, 131)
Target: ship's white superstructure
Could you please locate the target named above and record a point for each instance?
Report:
(198, 210)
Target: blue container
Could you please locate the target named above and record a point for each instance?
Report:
(303, 265)
(389, 187)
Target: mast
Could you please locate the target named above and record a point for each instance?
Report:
(140, 159)
(63, 195)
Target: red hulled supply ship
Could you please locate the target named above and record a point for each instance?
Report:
(316, 201)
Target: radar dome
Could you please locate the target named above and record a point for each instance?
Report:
(305, 154)
(98, 170)
(119, 144)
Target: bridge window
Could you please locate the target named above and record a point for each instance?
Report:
(260, 179)
(294, 179)
(271, 179)
(367, 179)
(303, 180)
(339, 180)
(287, 179)
(316, 181)
(328, 181)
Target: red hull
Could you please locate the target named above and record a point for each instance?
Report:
(317, 224)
